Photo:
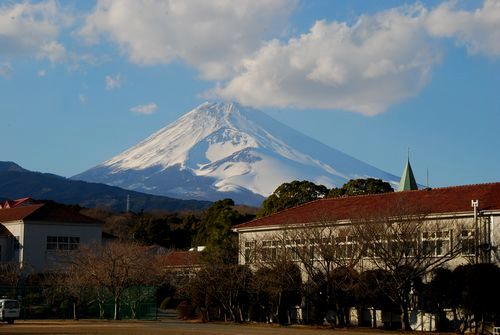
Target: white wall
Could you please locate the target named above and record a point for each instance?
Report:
(495, 239)
(35, 250)
(16, 228)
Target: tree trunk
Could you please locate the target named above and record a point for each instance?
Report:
(74, 311)
(481, 327)
(133, 310)
(117, 308)
(374, 318)
(101, 310)
(406, 317)
(340, 317)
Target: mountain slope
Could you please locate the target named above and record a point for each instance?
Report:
(16, 182)
(224, 150)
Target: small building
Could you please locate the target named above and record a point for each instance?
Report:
(34, 234)
(183, 265)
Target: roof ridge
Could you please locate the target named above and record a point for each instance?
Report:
(408, 191)
(451, 199)
(459, 186)
(17, 207)
(281, 211)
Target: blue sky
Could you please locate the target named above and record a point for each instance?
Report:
(81, 81)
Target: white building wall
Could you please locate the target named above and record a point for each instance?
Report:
(10, 252)
(35, 250)
(495, 238)
(449, 222)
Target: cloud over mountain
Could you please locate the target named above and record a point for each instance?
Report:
(365, 67)
(251, 52)
(32, 29)
(212, 36)
(478, 30)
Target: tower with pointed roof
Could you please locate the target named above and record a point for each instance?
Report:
(407, 181)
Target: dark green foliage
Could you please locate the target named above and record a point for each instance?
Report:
(276, 287)
(361, 187)
(333, 292)
(214, 230)
(478, 285)
(439, 295)
(170, 231)
(288, 195)
(470, 291)
(371, 291)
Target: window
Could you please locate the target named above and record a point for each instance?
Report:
(269, 250)
(467, 242)
(436, 243)
(62, 242)
(346, 246)
(249, 251)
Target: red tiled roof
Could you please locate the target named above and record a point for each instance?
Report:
(455, 199)
(45, 212)
(182, 258)
(14, 203)
(18, 213)
(18, 202)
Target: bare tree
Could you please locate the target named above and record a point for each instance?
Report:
(328, 254)
(67, 285)
(407, 243)
(10, 274)
(115, 266)
(221, 285)
(277, 283)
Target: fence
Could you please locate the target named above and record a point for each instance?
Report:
(39, 302)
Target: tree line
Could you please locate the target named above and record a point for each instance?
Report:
(321, 270)
(274, 292)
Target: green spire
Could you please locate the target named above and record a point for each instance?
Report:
(407, 181)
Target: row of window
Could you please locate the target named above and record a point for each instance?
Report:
(63, 242)
(436, 244)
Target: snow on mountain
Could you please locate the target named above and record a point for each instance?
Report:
(220, 150)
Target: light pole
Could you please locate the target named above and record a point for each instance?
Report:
(475, 205)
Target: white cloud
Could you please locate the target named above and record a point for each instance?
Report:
(53, 51)
(82, 98)
(5, 70)
(213, 36)
(41, 73)
(366, 67)
(32, 29)
(145, 109)
(478, 30)
(114, 82)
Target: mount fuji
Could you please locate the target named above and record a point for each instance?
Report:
(224, 150)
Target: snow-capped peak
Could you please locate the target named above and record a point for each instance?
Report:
(215, 124)
(228, 148)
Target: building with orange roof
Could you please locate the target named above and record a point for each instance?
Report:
(458, 225)
(34, 234)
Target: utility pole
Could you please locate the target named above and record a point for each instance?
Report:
(475, 205)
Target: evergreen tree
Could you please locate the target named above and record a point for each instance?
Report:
(291, 194)
(361, 187)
